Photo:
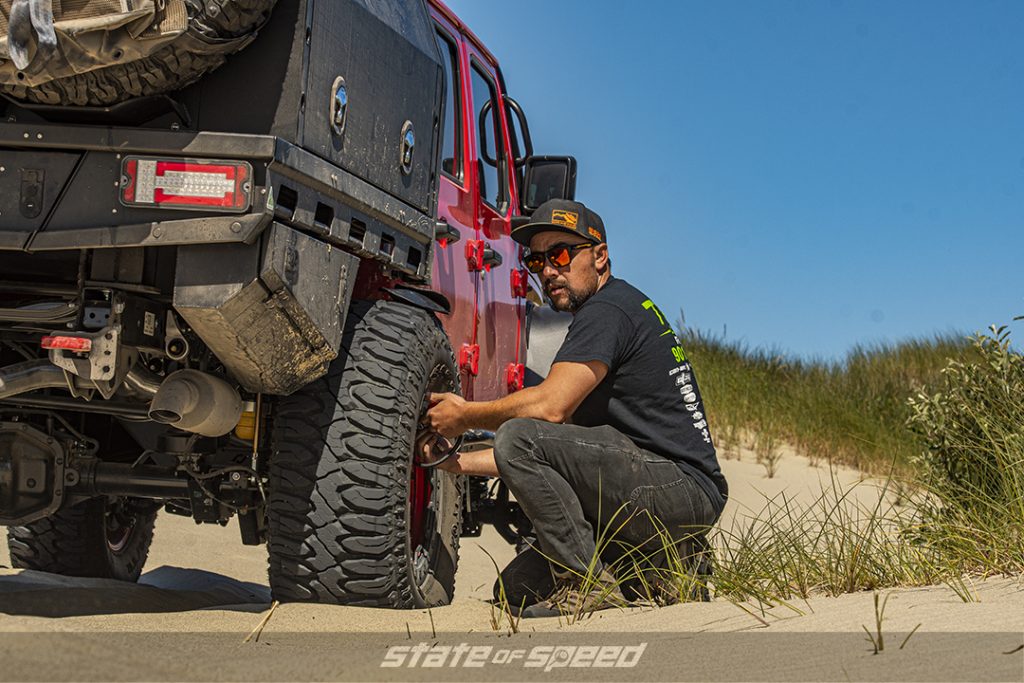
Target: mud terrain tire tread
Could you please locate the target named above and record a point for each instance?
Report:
(72, 542)
(231, 20)
(170, 68)
(338, 489)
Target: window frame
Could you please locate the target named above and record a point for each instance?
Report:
(516, 143)
(481, 68)
(458, 127)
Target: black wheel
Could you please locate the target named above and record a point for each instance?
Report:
(216, 29)
(351, 519)
(101, 538)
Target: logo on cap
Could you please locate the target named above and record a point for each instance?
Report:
(594, 233)
(564, 218)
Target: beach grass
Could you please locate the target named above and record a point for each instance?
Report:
(852, 412)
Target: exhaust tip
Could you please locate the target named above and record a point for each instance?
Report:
(167, 417)
(196, 402)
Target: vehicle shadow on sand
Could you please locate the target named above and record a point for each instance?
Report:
(165, 589)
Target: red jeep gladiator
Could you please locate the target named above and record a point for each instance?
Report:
(240, 242)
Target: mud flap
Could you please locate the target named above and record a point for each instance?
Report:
(272, 312)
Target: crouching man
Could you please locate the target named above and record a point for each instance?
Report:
(617, 429)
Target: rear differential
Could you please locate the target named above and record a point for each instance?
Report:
(31, 474)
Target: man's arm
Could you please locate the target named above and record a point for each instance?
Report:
(553, 400)
(474, 463)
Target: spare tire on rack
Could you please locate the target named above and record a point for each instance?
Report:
(104, 55)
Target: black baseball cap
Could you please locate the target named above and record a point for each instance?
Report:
(562, 215)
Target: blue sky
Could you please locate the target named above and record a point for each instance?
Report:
(805, 175)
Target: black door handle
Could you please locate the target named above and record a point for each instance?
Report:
(492, 259)
(444, 232)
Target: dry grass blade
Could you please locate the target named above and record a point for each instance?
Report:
(877, 639)
(762, 621)
(255, 634)
(912, 632)
(504, 608)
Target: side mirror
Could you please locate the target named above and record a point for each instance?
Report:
(547, 177)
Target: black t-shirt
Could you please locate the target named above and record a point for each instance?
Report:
(650, 393)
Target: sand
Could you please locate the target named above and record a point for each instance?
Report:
(203, 592)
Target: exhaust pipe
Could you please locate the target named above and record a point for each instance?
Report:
(141, 382)
(196, 402)
(30, 375)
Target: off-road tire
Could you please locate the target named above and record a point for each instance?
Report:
(339, 507)
(214, 28)
(74, 541)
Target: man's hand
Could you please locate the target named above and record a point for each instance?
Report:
(447, 415)
(430, 446)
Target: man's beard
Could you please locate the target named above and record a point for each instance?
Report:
(575, 298)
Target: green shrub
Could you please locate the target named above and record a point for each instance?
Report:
(973, 463)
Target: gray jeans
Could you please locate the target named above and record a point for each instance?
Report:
(575, 482)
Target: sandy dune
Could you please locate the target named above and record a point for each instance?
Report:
(203, 592)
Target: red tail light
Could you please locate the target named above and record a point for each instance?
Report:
(81, 344)
(186, 184)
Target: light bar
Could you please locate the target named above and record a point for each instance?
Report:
(186, 184)
(79, 344)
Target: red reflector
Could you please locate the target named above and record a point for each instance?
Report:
(186, 184)
(69, 343)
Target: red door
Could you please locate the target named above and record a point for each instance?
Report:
(500, 311)
(451, 274)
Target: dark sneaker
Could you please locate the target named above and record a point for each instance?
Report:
(575, 599)
(526, 580)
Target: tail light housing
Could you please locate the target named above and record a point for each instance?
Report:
(213, 185)
(67, 343)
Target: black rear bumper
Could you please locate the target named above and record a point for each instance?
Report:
(75, 171)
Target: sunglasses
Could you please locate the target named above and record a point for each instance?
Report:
(559, 256)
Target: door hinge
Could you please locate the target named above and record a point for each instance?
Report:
(481, 256)
(515, 374)
(520, 283)
(475, 255)
(469, 358)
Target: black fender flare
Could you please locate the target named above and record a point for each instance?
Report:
(426, 299)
